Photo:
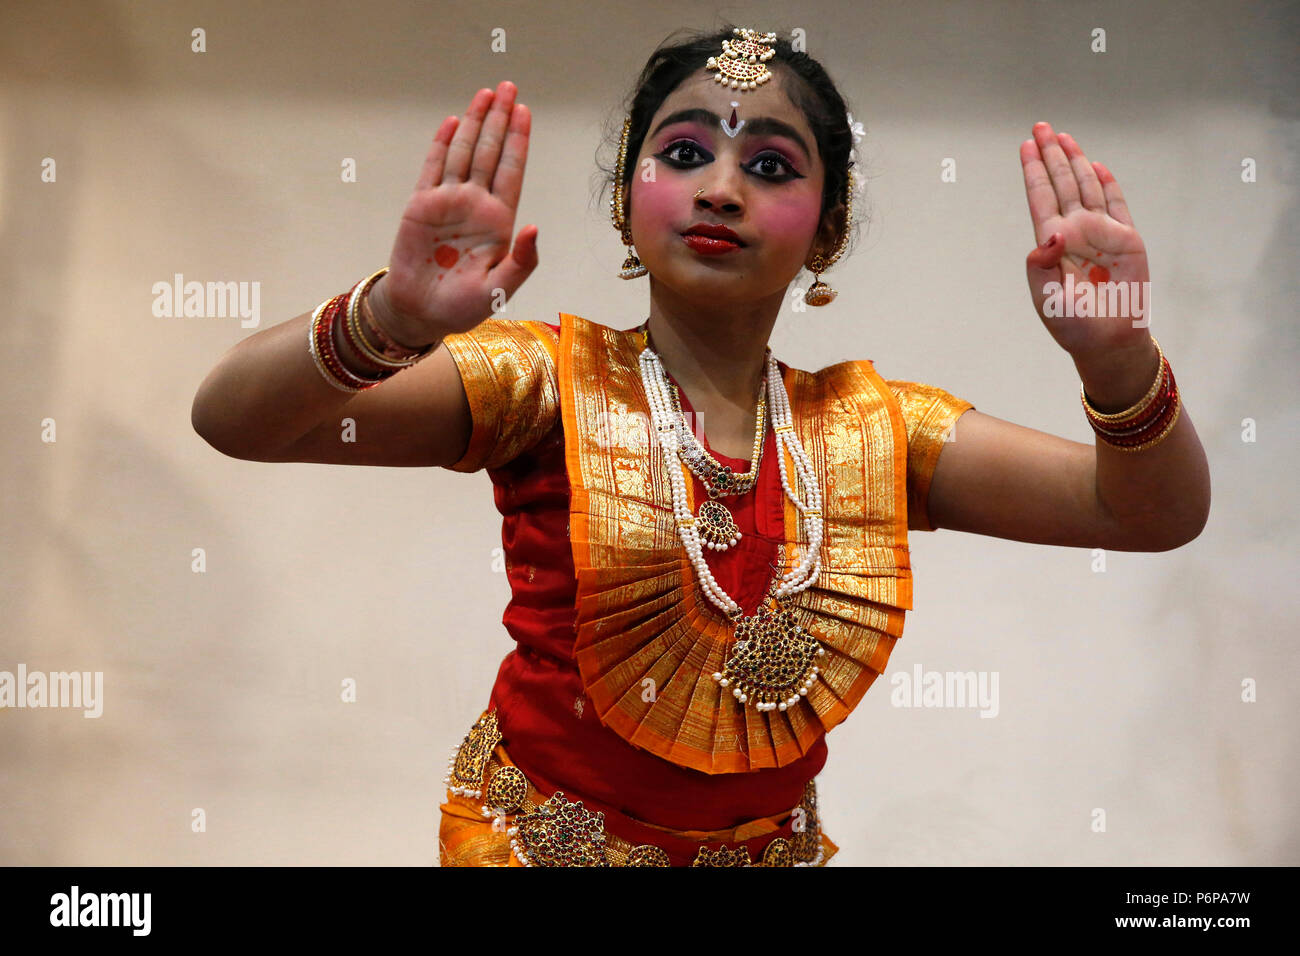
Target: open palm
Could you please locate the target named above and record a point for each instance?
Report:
(1084, 231)
(452, 265)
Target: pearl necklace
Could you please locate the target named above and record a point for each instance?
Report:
(773, 660)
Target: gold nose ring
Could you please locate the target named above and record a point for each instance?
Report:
(697, 193)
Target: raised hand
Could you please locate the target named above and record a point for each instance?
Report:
(452, 261)
(1083, 229)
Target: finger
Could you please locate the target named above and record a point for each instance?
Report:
(1038, 188)
(1058, 168)
(1047, 255)
(1043, 265)
(1090, 191)
(1115, 204)
(431, 172)
(462, 144)
(510, 273)
(488, 148)
(509, 178)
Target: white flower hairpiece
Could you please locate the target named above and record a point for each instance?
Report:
(855, 129)
(858, 133)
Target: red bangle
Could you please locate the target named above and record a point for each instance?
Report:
(350, 337)
(1154, 423)
(322, 332)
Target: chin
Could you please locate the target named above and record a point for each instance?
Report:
(709, 291)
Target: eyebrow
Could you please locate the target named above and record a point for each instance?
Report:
(758, 126)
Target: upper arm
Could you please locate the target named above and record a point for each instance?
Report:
(1002, 479)
(418, 417)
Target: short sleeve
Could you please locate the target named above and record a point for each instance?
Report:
(508, 368)
(929, 413)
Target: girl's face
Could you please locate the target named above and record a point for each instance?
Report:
(764, 183)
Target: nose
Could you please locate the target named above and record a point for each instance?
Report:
(721, 193)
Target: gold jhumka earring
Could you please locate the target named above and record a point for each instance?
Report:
(632, 267)
(819, 293)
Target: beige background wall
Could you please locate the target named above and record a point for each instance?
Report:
(1119, 690)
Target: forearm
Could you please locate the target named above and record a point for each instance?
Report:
(1158, 498)
(266, 392)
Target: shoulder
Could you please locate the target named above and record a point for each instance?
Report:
(923, 404)
(507, 328)
(914, 391)
(928, 411)
(496, 339)
(855, 380)
(508, 369)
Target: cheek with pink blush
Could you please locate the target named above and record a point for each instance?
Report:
(659, 206)
(792, 220)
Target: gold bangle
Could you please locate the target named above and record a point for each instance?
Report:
(354, 322)
(1118, 418)
(363, 318)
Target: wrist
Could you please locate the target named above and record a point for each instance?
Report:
(380, 313)
(1118, 379)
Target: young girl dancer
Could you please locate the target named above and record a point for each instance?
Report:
(693, 612)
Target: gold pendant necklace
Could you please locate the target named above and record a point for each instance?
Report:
(773, 659)
(718, 527)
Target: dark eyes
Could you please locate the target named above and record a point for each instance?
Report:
(759, 160)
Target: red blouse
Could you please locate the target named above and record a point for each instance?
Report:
(548, 725)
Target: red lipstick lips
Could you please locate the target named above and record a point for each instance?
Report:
(712, 239)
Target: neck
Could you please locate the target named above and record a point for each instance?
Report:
(718, 353)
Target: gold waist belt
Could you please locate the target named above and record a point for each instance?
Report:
(495, 816)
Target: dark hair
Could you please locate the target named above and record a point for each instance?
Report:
(806, 82)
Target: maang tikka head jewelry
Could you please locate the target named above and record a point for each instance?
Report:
(741, 66)
(743, 63)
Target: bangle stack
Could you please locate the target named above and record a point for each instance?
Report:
(1148, 422)
(350, 312)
